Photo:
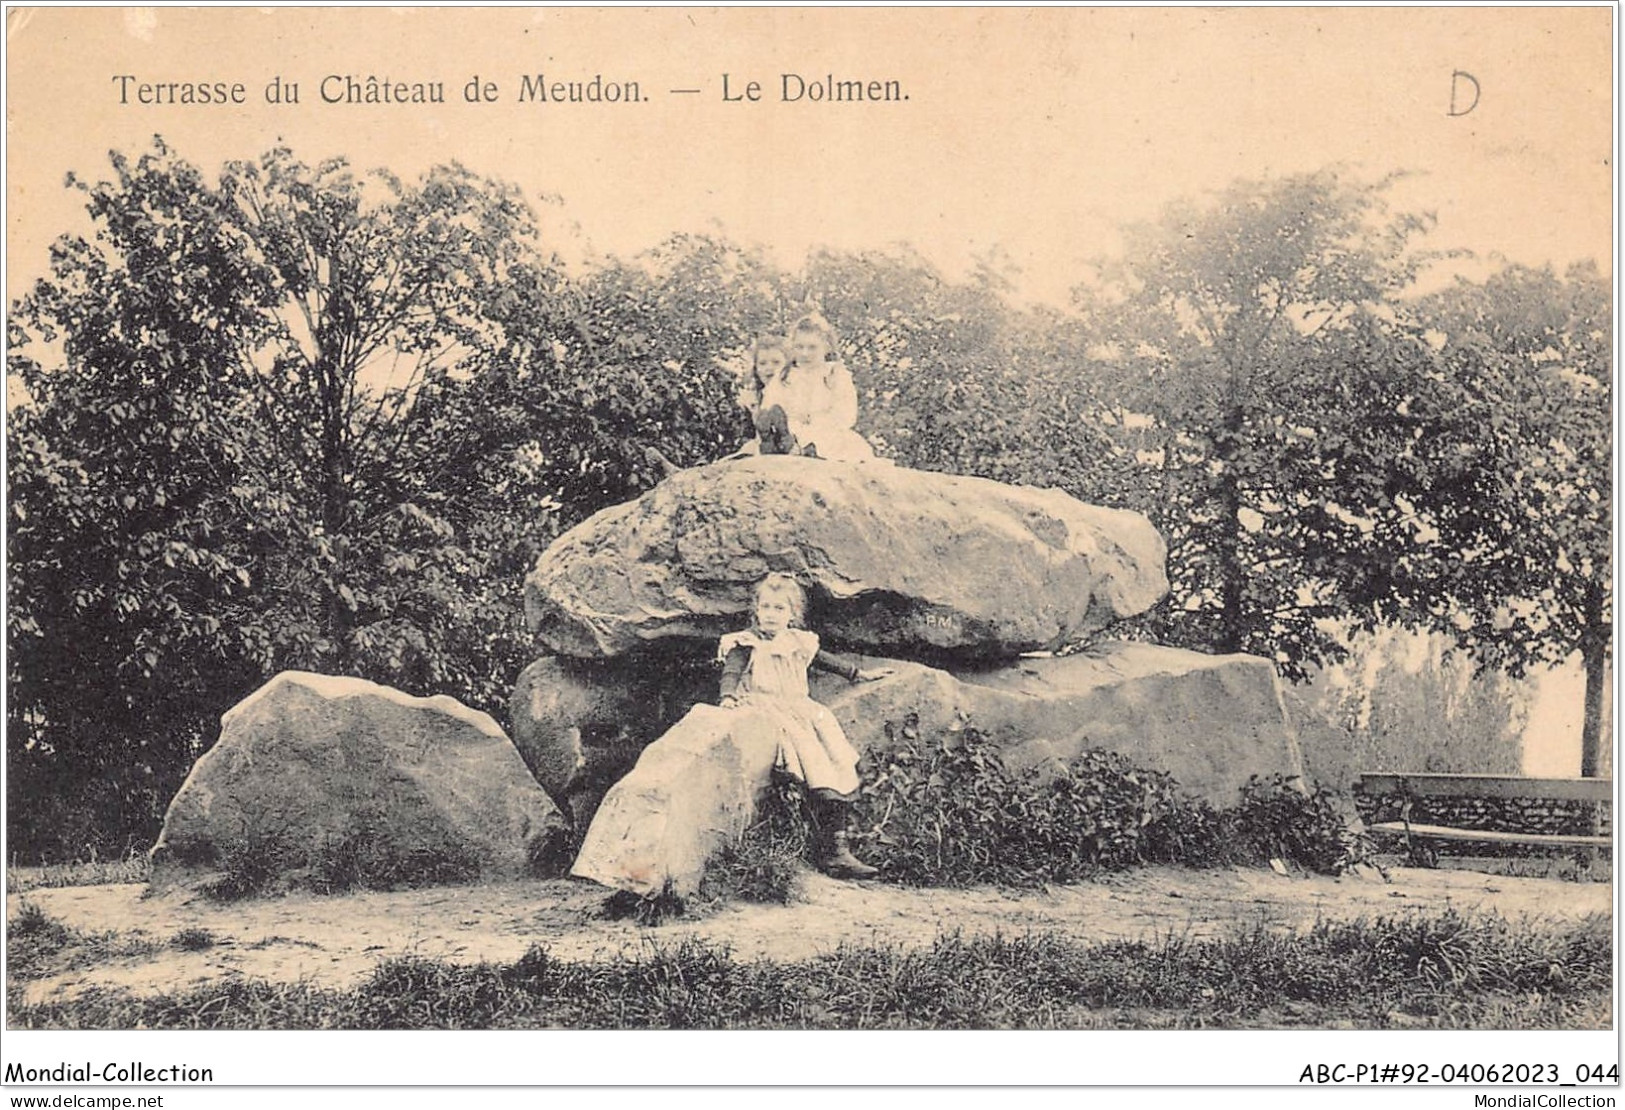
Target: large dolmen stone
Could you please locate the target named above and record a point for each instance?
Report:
(898, 562)
(331, 782)
(692, 791)
(1208, 720)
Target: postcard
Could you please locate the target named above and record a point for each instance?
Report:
(894, 545)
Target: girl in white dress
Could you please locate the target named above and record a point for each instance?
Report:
(764, 668)
(802, 398)
(818, 396)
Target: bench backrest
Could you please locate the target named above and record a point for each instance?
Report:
(1485, 786)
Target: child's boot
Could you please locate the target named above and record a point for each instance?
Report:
(835, 857)
(773, 432)
(840, 863)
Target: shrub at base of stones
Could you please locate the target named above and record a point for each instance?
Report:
(644, 909)
(355, 857)
(362, 856)
(945, 810)
(1276, 820)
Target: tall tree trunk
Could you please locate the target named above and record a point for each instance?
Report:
(335, 505)
(1227, 542)
(1594, 653)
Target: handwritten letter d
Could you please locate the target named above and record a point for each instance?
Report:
(1456, 78)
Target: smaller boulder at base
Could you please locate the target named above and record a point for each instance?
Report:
(581, 724)
(329, 782)
(693, 791)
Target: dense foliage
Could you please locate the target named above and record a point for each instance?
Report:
(297, 416)
(1261, 339)
(300, 419)
(1530, 353)
(769, 860)
(946, 811)
(1407, 703)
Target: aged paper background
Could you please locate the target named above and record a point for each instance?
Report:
(1035, 132)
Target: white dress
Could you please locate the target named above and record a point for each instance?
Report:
(812, 746)
(821, 405)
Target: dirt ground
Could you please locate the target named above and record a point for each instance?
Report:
(334, 941)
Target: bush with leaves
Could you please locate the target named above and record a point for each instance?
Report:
(765, 864)
(360, 854)
(1278, 819)
(945, 810)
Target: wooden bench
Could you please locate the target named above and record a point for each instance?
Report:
(1409, 787)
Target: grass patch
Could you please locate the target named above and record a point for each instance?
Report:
(39, 945)
(362, 854)
(770, 860)
(645, 909)
(1443, 971)
(768, 864)
(267, 942)
(194, 939)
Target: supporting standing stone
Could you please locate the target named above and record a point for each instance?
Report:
(1210, 721)
(580, 724)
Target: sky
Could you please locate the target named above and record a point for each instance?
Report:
(1035, 133)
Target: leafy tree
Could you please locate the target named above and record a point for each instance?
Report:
(636, 355)
(930, 358)
(301, 417)
(1402, 701)
(1530, 351)
(126, 582)
(598, 383)
(1258, 342)
(225, 462)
